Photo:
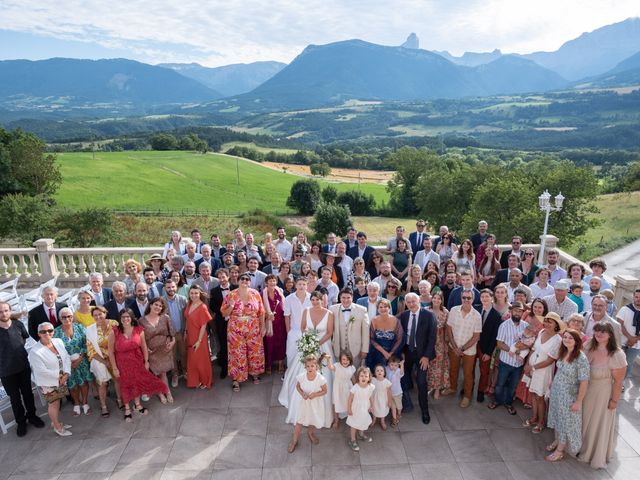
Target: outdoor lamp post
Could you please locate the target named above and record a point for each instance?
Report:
(545, 206)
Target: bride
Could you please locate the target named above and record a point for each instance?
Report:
(320, 319)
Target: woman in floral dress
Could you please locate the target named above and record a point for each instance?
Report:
(245, 329)
(439, 367)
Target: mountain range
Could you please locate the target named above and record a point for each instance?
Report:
(320, 75)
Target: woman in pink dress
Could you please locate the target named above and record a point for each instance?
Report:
(128, 352)
(275, 339)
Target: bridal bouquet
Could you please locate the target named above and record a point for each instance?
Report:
(309, 344)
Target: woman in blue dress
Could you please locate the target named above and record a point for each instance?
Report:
(567, 392)
(74, 337)
(385, 336)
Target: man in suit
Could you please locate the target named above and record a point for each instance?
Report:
(491, 320)
(257, 277)
(351, 328)
(217, 250)
(218, 295)
(138, 304)
(370, 302)
(252, 250)
(350, 241)
(101, 295)
(274, 266)
(175, 309)
(361, 250)
(196, 238)
(118, 302)
(47, 311)
(210, 259)
(478, 238)
(455, 298)
(331, 245)
(416, 238)
(502, 276)
(516, 244)
(419, 325)
(205, 281)
(154, 287)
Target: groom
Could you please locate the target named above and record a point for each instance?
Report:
(351, 330)
(419, 326)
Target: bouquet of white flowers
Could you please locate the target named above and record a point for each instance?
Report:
(309, 344)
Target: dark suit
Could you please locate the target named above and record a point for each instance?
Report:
(354, 253)
(425, 339)
(133, 305)
(199, 246)
(325, 248)
(107, 295)
(504, 257)
(455, 298)
(486, 346)
(476, 240)
(502, 276)
(416, 245)
(112, 308)
(39, 315)
(215, 265)
(349, 244)
(220, 326)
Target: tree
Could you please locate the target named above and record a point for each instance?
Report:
(304, 196)
(359, 203)
(631, 181)
(84, 228)
(329, 194)
(163, 141)
(321, 169)
(331, 217)
(24, 218)
(409, 164)
(25, 167)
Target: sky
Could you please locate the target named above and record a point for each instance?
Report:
(215, 33)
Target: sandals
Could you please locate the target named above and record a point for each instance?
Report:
(527, 406)
(235, 386)
(551, 447)
(395, 422)
(104, 412)
(510, 409)
(529, 422)
(127, 416)
(554, 457)
(492, 406)
(537, 429)
(120, 404)
(256, 380)
(141, 410)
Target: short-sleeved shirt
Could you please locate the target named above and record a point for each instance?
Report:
(509, 333)
(564, 309)
(13, 356)
(625, 315)
(464, 327)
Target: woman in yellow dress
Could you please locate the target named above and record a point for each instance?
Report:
(82, 315)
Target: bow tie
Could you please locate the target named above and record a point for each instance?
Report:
(252, 274)
(346, 310)
(223, 289)
(593, 294)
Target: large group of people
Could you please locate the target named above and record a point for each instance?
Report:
(417, 314)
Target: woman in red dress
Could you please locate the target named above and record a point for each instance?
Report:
(275, 340)
(128, 352)
(196, 315)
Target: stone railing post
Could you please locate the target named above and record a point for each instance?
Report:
(625, 286)
(46, 258)
(547, 242)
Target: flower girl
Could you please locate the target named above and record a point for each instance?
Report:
(382, 399)
(311, 413)
(343, 372)
(359, 405)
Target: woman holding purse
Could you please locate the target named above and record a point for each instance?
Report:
(160, 336)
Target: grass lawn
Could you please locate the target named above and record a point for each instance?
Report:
(620, 215)
(176, 181)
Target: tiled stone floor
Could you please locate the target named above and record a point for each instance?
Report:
(219, 434)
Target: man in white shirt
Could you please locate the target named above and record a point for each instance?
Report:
(465, 323)
(598, 266)
(392, 243)
(326, 282)
(629, 318)
(541, 288)
(190, 272)
(385, 275)
(346, 262)
(556, 272)
(257, 277)
(351, 328)
(139, 303)
(294, 306)
(119, 300)
(515, 283)
(351, 240)
(370, 302)
(595, 284)
(101, 295)
(283, 246)
(191, 254)
(560, 302)
(332, 244)
(426, 255)
(599, 314)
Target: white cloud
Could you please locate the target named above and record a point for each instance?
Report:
(222, 32)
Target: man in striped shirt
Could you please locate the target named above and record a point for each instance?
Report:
(560, 302)
(511, 364)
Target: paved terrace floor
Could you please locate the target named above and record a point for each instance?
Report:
(219, 434)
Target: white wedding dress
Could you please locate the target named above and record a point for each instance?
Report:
(289, 396)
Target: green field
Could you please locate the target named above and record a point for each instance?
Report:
(228, 145)
(177, 180)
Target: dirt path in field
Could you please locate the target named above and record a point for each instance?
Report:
(624, 261)
(337, 174)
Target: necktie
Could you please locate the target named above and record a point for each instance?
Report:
(484, 317)
(52, 317)
(419, 242)
(412, 334)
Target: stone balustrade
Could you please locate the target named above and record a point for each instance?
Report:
(72, 266)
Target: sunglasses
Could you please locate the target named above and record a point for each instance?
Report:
(528, 254)
(467, 298)
(66, 316)
(46, 331)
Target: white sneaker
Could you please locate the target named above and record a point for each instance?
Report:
(144, 398)
(174, 381)
(63, 433)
